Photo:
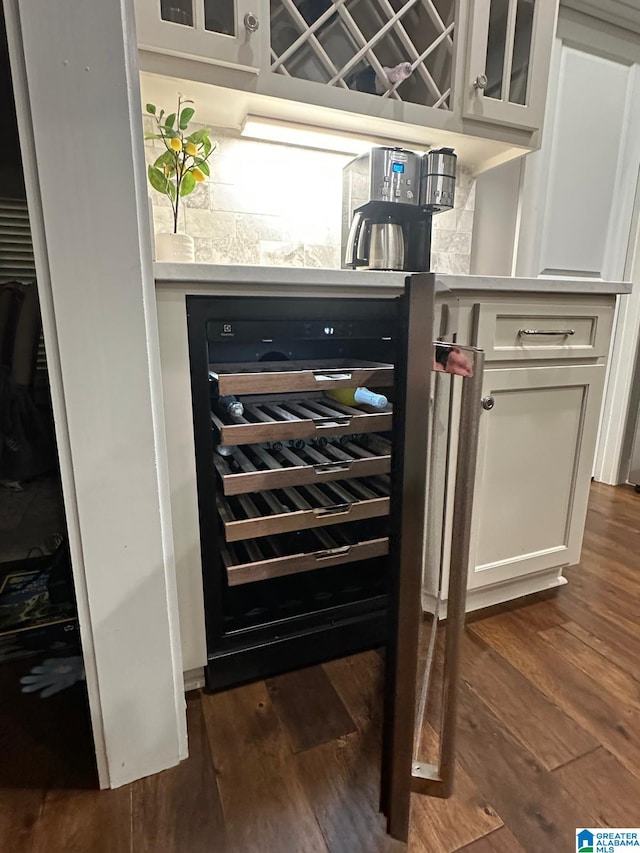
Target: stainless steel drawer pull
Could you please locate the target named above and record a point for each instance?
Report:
(339, 551)
(328, 423)
(332, 467)
(325, 375)
(336, 509)
(563, 333)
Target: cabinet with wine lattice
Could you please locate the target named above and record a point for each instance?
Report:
(409, 70)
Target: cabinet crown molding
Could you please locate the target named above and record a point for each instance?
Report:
(620, 13)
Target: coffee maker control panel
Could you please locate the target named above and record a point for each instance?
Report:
(395, 176)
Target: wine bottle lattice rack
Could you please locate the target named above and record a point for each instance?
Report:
(349, 43)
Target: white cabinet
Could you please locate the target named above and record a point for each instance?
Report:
(224, 32)
(534, 468)
(394, 70)
(573, 206)
(509, 51)
(545, 367)
(572, 202)
(578, 191)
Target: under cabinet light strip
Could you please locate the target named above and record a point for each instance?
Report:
(307, 136)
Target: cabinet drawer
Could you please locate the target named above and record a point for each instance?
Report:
(251, 561)
(269, 377)
(256, 468)
(302, 508)
(513, 332)
(292, 417)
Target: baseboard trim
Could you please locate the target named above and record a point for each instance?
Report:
(478, 599)
(193, 679)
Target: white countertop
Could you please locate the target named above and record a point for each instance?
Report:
(196, 277)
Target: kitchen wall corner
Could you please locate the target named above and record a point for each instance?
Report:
(280, 205)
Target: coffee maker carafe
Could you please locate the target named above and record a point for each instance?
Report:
(389, 197)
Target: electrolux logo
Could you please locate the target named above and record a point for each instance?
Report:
(606, 840)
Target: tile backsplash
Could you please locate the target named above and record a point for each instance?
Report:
(280, 205)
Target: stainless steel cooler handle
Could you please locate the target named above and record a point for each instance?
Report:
(437, 779)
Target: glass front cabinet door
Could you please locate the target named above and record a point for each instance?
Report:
(508, 58)
(223, 32)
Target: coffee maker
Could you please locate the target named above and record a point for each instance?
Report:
(389, 196)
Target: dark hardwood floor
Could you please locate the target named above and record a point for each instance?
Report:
(549, 740)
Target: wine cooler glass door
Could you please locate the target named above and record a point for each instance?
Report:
(433, 411)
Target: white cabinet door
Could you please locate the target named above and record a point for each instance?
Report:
(572, 225)
(223, 32)
(509, 54)
(534, 467)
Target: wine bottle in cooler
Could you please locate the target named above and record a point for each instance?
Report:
(225, 449)
(358, 396)
(226, 405)
(229, 406)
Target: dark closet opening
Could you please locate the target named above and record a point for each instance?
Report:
(44, 714)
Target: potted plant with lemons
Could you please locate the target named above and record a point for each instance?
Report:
(177, 171)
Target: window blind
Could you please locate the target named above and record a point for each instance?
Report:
(16, 249)
(16, 258)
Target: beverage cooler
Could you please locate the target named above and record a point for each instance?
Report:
(294, 494)
(314, 497)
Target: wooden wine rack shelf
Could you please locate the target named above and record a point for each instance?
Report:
(303, 508)
(277, 377)
(293, 417)
(271, 494)
(257, 560)
(255, 468)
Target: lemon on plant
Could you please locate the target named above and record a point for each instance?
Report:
(176, 144)
(197, 174)
(191, 149)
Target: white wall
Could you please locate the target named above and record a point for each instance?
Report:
(497, 218)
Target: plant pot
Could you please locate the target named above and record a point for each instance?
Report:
(174, 248)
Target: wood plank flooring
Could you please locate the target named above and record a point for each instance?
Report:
(549, 740)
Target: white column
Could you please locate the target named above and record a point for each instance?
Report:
(75, 73)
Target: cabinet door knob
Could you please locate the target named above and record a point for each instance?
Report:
(251, 22)
(488, 403)
(481, 81)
